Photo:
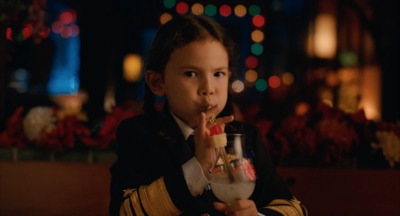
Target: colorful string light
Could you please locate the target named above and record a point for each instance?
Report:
(257, 37)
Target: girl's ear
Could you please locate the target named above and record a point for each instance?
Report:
(155, 82)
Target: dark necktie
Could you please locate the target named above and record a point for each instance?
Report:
(190, 142)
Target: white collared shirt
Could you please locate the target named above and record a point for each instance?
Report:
(192, 171)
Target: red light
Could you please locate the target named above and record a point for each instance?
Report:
(251, 62)
(27, 31)
(182, 8)
(274, 81)
(9, 34)
(66, 32)
(258, 21)
(225, 10)
(67, 17)
(44, 33)
(57, 27)
(75, 30)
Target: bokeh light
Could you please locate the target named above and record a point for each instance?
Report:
(325, 41)
(27, 31)
(251, 62)
(165, 17)
(56, 27)
(332, 79)
(251, 76)
(225, 10)
(274, 81)
(67, 17)
(302, 108)
(132, 66)
(261, 85)
(258, 21)
(197, 9)
(237, 86)
(254, 10)
(44, 33)
(9, 34)
(287, 78)
(210, 10)
(257, 36)
(169, 3)
(348, 58)
(65, 25)
(182, 8)
(257, 49)
(240, 10)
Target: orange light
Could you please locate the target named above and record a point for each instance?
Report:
(240, 10)
(325, 36)
(257, 36)
(287, 78)
(251, 76)
(197, 9)
(131, 67)
(165, 17)
(302, 108)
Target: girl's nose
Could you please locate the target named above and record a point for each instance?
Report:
(206, 87)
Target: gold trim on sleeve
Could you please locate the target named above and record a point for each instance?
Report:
(136, 204)
(156, 200)
(288, 207)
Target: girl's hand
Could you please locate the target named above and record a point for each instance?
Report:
(240, 207)
(205, 153)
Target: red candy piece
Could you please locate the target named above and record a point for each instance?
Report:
(215, 130)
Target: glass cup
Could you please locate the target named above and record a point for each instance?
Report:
(233, 176)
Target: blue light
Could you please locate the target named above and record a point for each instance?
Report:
(64, 74)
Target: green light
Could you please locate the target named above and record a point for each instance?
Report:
(348, 58)
(261, 85)
(257, 49)
(169, 3)
(254, 10)
(210, 10)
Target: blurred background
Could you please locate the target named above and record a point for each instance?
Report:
(297, 58)
(320, 78)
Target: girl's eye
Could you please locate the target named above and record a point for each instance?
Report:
(190, 73)
(219, 74)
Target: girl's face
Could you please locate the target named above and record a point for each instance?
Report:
(196, 78)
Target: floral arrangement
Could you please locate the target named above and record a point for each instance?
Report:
(388, 140)
(55, 129)
(327, 135)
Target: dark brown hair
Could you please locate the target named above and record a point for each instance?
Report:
(177, 33)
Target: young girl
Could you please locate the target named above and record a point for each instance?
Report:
(157, 172)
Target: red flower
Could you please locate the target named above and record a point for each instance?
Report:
(14, 135)
(106, 134)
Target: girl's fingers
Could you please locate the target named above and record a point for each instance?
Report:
(220, 206)
(202, 123)
(221, 121)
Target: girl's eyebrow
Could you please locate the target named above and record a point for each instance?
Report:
(198, 68)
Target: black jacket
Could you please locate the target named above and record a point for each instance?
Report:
(152, 146)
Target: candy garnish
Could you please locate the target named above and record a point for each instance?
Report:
(215, 130)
